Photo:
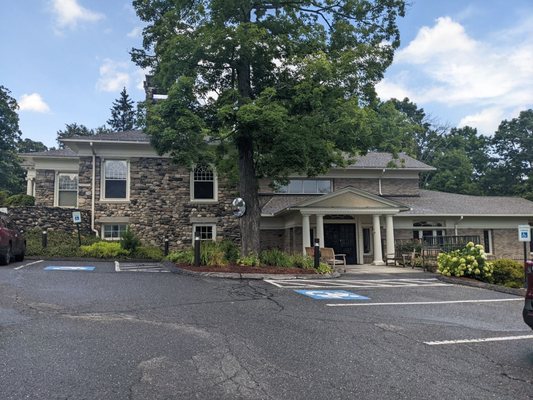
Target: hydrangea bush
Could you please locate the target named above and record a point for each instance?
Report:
(470, 261)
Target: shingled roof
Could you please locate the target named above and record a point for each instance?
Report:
(59, 153)
(440, 203)
(379, 160)
(125, 136)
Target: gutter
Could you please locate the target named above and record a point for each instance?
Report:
(379, 181)
(93, 188)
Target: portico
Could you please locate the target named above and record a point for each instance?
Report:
(350, 206)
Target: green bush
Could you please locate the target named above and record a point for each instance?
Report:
(148, 253)
(324, 268)
(129, 241)
(508, 273)
(301, 261)
(19, 200)
(60, 243)
(104, 250)
(275, 258)
(470, 261)
(182, 257)
(249, 261)
(231, 251)
(212, 254)
(3, 198)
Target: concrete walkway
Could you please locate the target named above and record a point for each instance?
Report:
(381, 269)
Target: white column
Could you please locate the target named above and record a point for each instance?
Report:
(320, 229)
(390, 236)
(378, 258)
(29, 186)
(30, 182)
(306, 240)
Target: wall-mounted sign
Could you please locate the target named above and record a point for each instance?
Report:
(524, 233)
(76, 217)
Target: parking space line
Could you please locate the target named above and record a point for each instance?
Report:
(117, 266)
(417, 303)
(27, 265)
(493, 339)
(355, 283)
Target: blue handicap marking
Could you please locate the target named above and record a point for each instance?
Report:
(332, 295)
(64, 268)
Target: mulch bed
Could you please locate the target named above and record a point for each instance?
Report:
(241, 269)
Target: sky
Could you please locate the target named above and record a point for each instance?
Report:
(464, 62)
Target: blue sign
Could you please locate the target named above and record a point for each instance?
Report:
(331, 294)
(63, 268)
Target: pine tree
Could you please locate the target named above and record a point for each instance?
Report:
(122, 113)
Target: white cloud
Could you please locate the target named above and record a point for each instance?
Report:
(114, 75)
(488, 78)
(33, 102)
(135, 32)
(68, 13)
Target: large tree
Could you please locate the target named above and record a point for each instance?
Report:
(10, 170)
(280, 84)
(123, 113)
(30, 146)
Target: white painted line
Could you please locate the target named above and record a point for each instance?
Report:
(493, 339)
(417, 303)
(26, 265)
(117, 266)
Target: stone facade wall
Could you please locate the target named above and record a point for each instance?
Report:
(45, 187)
(160, 203)
(49, 218)
(389, 187)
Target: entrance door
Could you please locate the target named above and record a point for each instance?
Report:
(341, 237)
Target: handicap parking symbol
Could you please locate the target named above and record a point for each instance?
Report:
(331, 295)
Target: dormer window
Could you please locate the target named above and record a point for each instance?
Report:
(203, 184)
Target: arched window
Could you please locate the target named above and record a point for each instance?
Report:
(203, 183)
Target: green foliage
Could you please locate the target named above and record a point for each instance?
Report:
(11, 173)
(301, 261)
(148, 253)
(324, 268)
(231, 251)
(508, 273)
(104, 250)
(3, 197)
(60, 244)
(182, 257)
(30, 146)
(212, 254)
(72, 130)
(18, 200)
(276, 258)
(122, 113)
(470, 261)
(129, 241)
(249, 261)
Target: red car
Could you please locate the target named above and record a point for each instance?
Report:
(12, 242)
(528, 306)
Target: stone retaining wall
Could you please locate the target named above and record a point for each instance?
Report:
(49, 218)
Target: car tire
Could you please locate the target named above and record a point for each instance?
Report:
(5, 258)
(20, 257)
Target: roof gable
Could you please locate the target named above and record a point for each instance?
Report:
(350, 197)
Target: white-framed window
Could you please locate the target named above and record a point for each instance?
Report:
(115, 180)
(306, 186)
(427, 229)
(204, 232)
(487, 241)
(367, 241)
(204, 186)
(113, 231)
(67, 190)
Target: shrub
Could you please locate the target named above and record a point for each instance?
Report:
(3, 197)
(301, 261)
(324, 268)
(148, 253)
(129, 241)
(249, 261)
(212, 254)
(508, 273)
(60, 243)
(104, 250)
(182, 257)
(275, 258)
(470, 261)
(231, 251)
(20, 200)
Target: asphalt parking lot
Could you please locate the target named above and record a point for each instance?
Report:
(105, 334)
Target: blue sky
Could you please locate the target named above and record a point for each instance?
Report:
(464, 62)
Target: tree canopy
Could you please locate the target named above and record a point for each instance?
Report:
(279, 85)
(123, 113)
(75, 129)
(10, 170)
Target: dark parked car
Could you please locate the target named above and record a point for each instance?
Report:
(12, 242)
(528, 306)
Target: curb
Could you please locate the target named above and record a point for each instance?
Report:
(482, 285)
(237, 275)
(82, 259)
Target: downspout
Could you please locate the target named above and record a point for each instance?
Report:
(457, 223)
(379, 181)
(93, 188)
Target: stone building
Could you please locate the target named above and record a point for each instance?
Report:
(359, 210)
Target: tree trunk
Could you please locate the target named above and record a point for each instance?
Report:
(249, 223)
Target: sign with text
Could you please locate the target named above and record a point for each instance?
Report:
(524, 233)
(76, 217)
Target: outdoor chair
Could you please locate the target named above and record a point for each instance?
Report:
(327, 255)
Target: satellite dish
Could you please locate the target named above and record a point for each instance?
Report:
(239, 207)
